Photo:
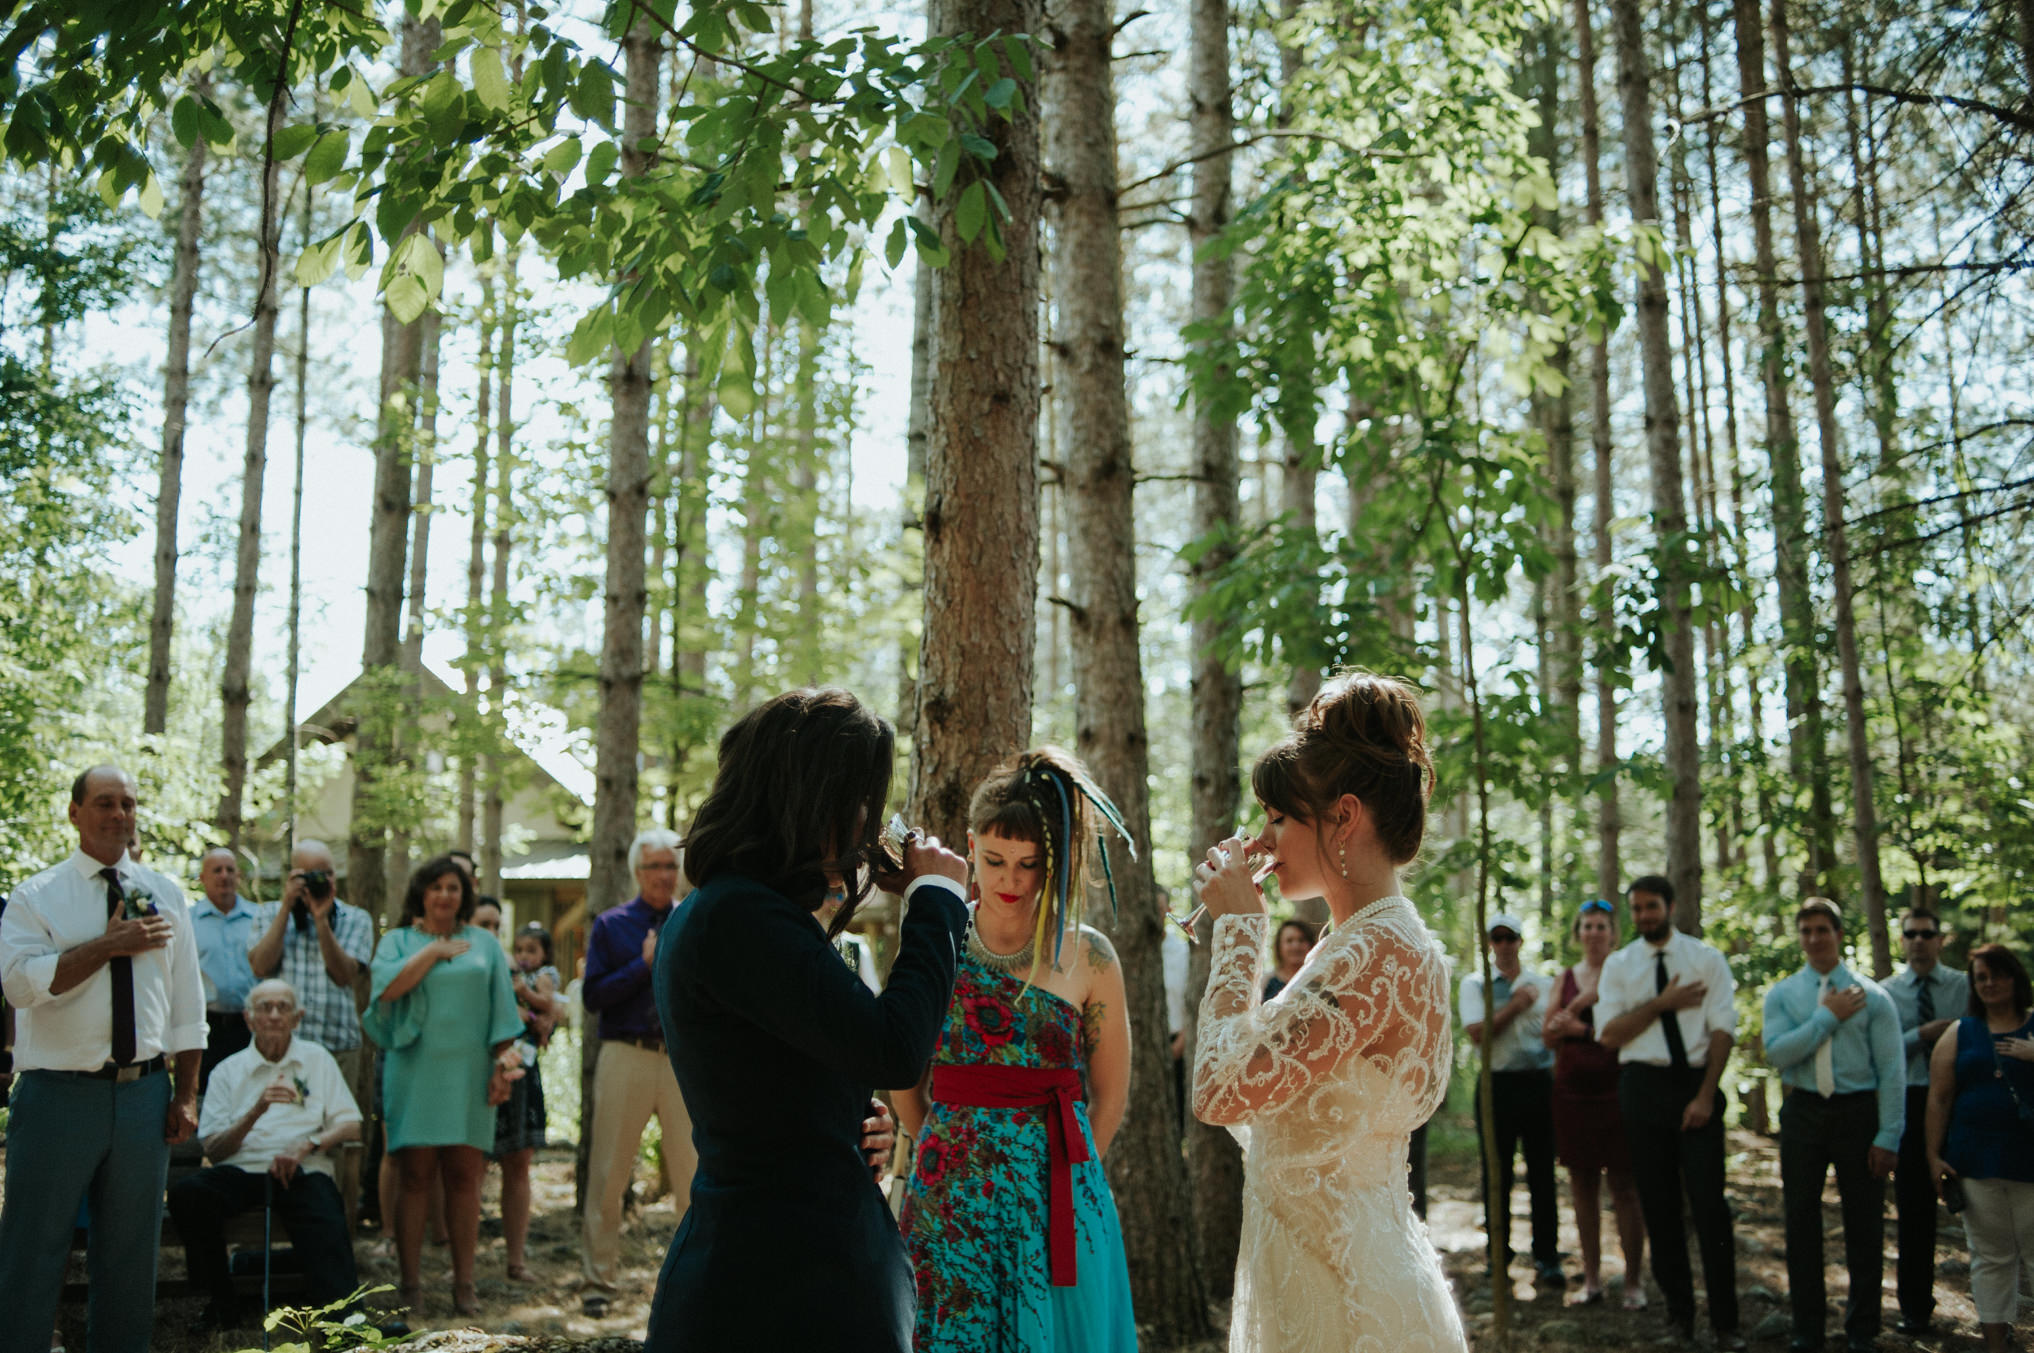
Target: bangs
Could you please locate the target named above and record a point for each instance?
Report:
(1278, 781)
(1012, 819)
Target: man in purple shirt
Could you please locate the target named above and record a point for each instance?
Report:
(632, 1077)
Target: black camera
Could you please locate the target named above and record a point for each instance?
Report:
(318, 883)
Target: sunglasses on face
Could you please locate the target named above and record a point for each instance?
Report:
(1922, 934)
(1504, 937)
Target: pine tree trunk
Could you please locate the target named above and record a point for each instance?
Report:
(1146, 1171)
(476, 563)
(433, 324)
(1609, 821)
(618, 735)
(1808, 233)
(981, 470)
(381, 645)
(1663, 447)
(492, 809)
(1216, 692)
(1807, 758)
(176, 388)
(293, 626)
(233, 692)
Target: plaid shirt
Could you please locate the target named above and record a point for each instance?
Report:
(330, 1018)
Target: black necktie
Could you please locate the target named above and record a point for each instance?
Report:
(1670, 1021)
(1924, 1000)
(121, 969)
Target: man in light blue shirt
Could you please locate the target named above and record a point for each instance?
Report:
(1835, 1037)
(225, 929)
(1521, 1090)
(1929, 996)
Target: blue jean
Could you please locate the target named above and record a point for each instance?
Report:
(71, 1139)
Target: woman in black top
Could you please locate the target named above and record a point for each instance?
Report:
(776, 1043)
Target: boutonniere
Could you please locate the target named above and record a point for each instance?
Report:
(303, 1088)
(137, 904)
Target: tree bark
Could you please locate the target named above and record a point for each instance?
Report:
(1663, 448)
(381, 644)
(433, 325)
(1609, 822)
(476, 563)
(628, 500)
(492, 810)
(294, 625)
(981, 471)
(176, 388)
(233, 692)
(1216, 691)
(1808, 234)
(1807, 758)
(1146, 1171)
(618, 736)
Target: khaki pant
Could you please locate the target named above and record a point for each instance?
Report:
(356, 1067)
(629, 1084)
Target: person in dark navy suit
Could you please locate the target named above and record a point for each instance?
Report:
(789, 1243)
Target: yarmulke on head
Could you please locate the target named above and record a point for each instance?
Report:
(1363, 735)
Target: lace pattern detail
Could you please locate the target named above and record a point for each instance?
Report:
(1323, 1085)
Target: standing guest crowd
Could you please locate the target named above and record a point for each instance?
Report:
(284, 1034)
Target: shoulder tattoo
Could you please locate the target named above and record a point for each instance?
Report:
(1100, 952)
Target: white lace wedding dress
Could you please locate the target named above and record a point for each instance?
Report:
(1323, 1085)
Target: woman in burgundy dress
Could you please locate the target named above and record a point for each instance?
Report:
(1588, 1130)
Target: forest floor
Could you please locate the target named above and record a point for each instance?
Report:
(544, 1316)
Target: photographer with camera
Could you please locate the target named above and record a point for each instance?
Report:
(318, 944)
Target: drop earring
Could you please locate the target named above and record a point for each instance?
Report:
(1342, 860)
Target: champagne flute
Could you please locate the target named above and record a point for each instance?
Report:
(1257, 877)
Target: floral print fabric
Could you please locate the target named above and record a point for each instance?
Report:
(974, 1215)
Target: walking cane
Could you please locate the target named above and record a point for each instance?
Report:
(267, 1249)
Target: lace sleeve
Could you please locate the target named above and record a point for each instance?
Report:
(1250, 1057)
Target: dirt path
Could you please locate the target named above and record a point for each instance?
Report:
(545, 1315)
(1540, 1320)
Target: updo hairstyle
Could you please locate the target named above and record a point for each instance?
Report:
(1362, 735)
(1041, 796)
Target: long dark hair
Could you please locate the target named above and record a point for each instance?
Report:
(799, 790)
(428, 873)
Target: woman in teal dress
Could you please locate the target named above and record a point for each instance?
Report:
(445, 1013)
(1007, 1216)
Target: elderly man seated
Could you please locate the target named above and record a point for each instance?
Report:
(273, 1113)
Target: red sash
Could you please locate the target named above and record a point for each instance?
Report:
(1021, 1087)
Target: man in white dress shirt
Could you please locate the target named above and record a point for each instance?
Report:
(100, 962)
(274, 1113)
(1664, 1002)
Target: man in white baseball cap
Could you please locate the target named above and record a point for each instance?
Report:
(1522, 1090)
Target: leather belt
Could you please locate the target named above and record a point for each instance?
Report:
(117, 1073)
(648, 1042)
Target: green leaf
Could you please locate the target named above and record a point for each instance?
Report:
(327, 157)
(406, 298)
(184, 121)
(897, 169)
(736, 391)
(600, 162)
(944, 166)
(213, 125)
(971, 211)
(593, 97)
(561, 158)
(591, 337)
(317, 262)
(925, 129)
(294, 140)
(490, 81)
(981, 147)
(150, 200)
(899, 241)
(1000, 94)
(1017, 51)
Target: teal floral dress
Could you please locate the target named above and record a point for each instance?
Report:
(975, 1215)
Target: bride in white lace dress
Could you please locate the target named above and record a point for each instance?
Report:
(1324, 1084)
